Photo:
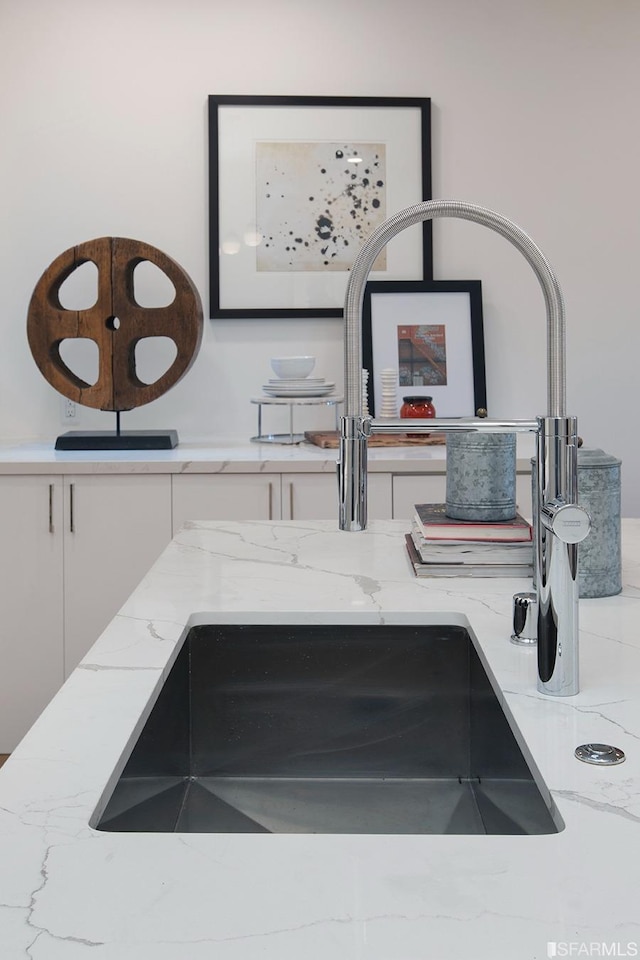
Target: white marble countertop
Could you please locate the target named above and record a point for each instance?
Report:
(225, 456)
(68, 892)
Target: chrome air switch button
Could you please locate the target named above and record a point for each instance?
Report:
(525, 618)
(599, 753)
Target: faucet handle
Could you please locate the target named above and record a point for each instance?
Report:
(569, 522)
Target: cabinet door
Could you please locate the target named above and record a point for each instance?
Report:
(524, 494)
(314, 496)
(241, 496)
(409, 489)
(115, 529)
(31, 601)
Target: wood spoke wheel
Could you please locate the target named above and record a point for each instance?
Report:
(116, 323)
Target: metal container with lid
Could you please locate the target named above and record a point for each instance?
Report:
(599, 492)
(599, 557)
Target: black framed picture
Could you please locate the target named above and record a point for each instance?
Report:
(297, 184)
(431, 334)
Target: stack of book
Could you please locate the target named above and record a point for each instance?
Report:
(440, 546)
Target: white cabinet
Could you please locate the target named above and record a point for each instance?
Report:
(73, 549)
(255, 496)
(410, 489)
(31, 668)
(212, 496)
(524, 494)
(115, 528)
(314, 496)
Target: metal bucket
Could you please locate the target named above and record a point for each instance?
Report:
(481, 476)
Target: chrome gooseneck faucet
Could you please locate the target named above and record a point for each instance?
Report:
(561, 523)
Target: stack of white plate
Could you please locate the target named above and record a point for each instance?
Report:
(302, 387)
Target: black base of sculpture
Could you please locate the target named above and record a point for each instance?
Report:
(118, 440)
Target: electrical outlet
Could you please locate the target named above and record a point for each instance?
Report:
(69, 410)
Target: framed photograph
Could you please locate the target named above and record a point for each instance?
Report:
(430, 333)
(297, 184)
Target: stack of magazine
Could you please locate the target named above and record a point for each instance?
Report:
(440, 546)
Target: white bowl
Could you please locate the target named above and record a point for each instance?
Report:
(292, 368)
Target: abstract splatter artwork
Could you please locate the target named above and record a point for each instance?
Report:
(422, 355)
(317, 203)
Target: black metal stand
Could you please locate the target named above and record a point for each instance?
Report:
(118, 439)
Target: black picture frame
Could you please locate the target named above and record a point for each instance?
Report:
(455, 305)
(238, 287)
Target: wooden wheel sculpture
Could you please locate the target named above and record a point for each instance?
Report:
(116, 323)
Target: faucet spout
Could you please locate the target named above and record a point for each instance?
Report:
(431, 210)
(557, 531)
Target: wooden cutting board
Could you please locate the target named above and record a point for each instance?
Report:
(330, 439)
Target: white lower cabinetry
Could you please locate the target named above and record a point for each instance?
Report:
(411, 489)
(287, 496)
(31, 596)
(314, 496)
(212, 496)
(73, 549)
(75, 545)
(115, 529)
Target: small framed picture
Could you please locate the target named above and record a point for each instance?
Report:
(430, 333)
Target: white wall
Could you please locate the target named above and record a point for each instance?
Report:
(103, 110)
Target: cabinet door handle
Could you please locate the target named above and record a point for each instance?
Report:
(71, 517)
(270, 501)
(291, 516)
(51, 527)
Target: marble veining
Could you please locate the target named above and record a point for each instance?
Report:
(69, 892)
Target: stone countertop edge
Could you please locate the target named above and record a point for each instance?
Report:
(68, 891)
(222, 457)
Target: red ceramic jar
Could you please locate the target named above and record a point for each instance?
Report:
(418, 408)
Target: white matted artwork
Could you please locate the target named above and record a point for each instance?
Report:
(297, 185)
(431, 334)
(316, 202)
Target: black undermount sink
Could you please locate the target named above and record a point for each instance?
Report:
(361, 729)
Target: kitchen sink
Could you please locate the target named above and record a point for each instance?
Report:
(363, 729)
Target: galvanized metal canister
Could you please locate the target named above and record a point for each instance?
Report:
(599, 492)
(481, 476)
